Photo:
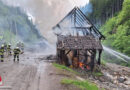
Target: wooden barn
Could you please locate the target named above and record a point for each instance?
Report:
(78, 41)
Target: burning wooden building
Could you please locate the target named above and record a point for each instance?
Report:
(78, 41)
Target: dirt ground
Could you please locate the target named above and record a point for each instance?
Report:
(29, 74)
(35, 73)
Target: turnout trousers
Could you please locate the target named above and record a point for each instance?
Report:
(16, 56)
(2, 58)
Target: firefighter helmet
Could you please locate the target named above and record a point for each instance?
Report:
(2, 45)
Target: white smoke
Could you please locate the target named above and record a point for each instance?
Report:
(47, 13)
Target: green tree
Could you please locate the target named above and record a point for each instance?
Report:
(117, 30)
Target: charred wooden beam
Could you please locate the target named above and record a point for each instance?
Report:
(68, 52)
(99, 57)
(87, 19)
(92, 59)
(79, 28)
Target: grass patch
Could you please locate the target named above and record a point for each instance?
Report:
(84, 85)
(98, 74)
(64, 68)
(103, 62)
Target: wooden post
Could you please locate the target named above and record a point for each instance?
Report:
(78, 57)
(99, 57)
(92, 59)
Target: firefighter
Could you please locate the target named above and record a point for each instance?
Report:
(9, 49)
(16, 53)
(2, 53)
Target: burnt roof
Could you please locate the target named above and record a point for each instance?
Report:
(78, 42)
(76, 20)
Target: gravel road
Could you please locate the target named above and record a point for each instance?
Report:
(28, 74)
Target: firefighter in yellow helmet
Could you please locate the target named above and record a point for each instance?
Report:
(9, 49)
(2, 53)
(16, 53)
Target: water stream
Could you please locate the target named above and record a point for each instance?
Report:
(116, 54)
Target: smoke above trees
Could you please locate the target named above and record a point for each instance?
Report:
(47, 13)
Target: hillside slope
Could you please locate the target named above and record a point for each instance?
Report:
(117, 30)
(103, 10)
(15, 26)
(112, 18)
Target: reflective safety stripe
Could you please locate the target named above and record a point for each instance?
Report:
(1, 51)
(16, 51)
(9, 48)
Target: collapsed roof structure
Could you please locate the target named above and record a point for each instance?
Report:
(76, 21)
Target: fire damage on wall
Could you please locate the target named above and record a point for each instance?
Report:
(78, 41)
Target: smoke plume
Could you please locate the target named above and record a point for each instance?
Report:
(47, 13)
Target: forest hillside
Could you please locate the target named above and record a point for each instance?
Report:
(16, 26)
(112, 17)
